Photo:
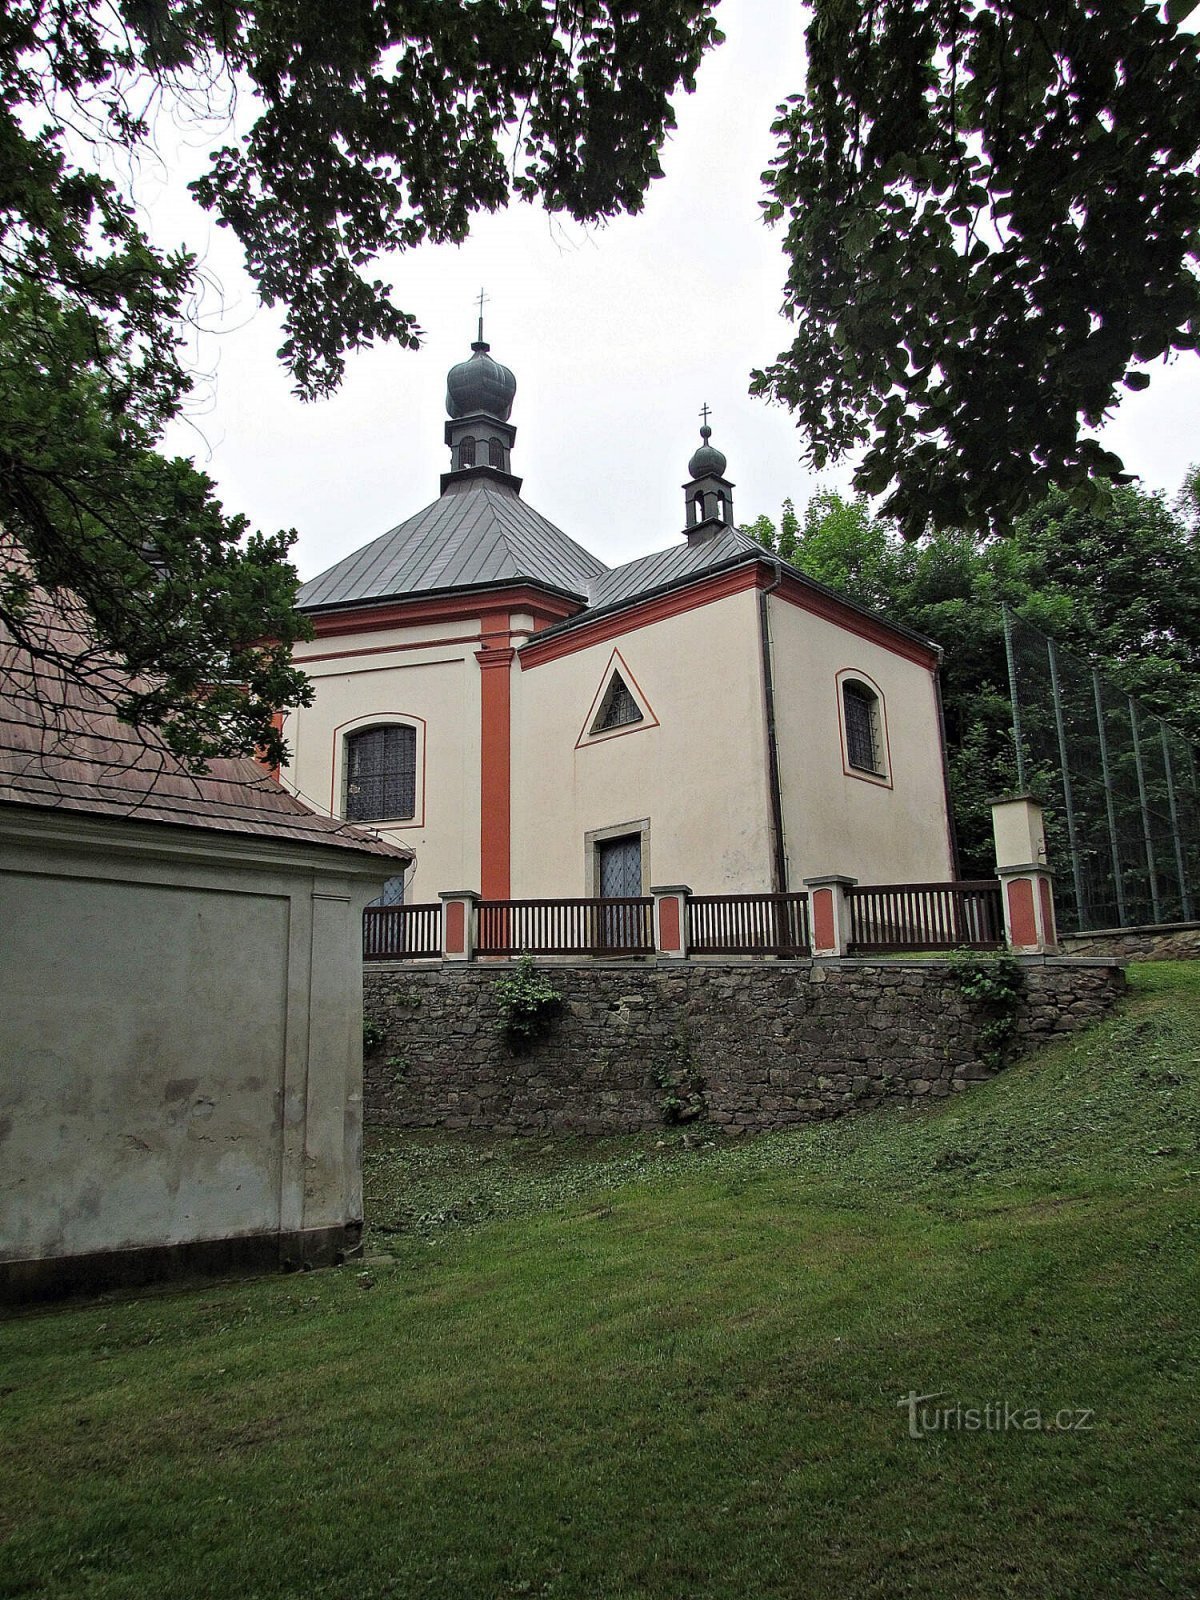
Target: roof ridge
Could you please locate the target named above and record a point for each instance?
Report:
(480, 534)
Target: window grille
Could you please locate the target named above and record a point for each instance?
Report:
(393, 893)
(381, 773)
(862, 739)
(466, 452)
(618, 707)
(495, 453)
(620, 866)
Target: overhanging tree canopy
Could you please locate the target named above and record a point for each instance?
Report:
(993, 223)
(377, 124)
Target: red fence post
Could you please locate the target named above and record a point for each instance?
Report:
(458, 924)
(829, 913)
(670, 920)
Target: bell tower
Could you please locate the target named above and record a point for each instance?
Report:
(708, 495)
(479, 397)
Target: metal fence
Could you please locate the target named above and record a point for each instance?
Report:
(1119, 787)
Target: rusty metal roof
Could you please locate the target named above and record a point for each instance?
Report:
(63, 749)
(479, 533)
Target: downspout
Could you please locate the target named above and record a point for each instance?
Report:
(778, 850)
(951, 829)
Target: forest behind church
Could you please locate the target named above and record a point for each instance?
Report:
(1117, 583)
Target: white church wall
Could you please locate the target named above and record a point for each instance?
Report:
(695, 767)
(436, 688)
(890, 829)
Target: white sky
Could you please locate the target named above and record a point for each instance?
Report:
(616, 335)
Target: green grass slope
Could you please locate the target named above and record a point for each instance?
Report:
(625, 1370)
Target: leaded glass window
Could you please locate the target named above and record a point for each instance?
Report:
(862, 730)
(381, 773)
(618, 707)
(393, 893)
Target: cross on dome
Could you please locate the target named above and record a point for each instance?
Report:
(707, 462)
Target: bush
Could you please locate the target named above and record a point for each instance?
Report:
(993, 984)
(527, 1003)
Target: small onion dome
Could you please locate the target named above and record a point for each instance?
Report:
(707, 462)
(480, 384)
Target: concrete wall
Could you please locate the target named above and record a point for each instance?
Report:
(427, 676)
(888, 830)
(744, 1046)
(180, 1034)
(695, 767)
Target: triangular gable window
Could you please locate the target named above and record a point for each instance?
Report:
(620, 705)
(618, 708)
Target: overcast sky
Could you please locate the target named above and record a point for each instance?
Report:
(617, 335)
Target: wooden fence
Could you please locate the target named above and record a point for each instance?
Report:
(883, 917)
(617, 927)
(926, 916)
(402, 933)
(748, 924)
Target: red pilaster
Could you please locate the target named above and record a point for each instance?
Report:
(495, 756)
(1049, 930)
(1022, 920)
(824, 934)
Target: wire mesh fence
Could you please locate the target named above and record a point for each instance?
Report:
(1119, 788)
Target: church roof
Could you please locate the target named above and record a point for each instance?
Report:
(663, 568)
(479, 533)
(681, 564)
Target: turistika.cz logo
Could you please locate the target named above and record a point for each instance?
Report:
(996, 1416)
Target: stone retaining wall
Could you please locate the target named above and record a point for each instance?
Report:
(752, 1045)
(1177, 941)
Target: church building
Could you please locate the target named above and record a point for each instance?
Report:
(533, 723)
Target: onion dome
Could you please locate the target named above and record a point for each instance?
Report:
(707, 462)
(480, 384)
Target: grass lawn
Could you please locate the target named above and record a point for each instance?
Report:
(617, 1369)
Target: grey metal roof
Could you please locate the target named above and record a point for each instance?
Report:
(675, 564)
(480, 532)
(682, 563)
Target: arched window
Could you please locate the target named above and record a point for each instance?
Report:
(495, 454)
(863, 743)
(720, 505)
(466, 452)
(381, 774)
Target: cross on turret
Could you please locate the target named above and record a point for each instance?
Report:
(709, 495)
